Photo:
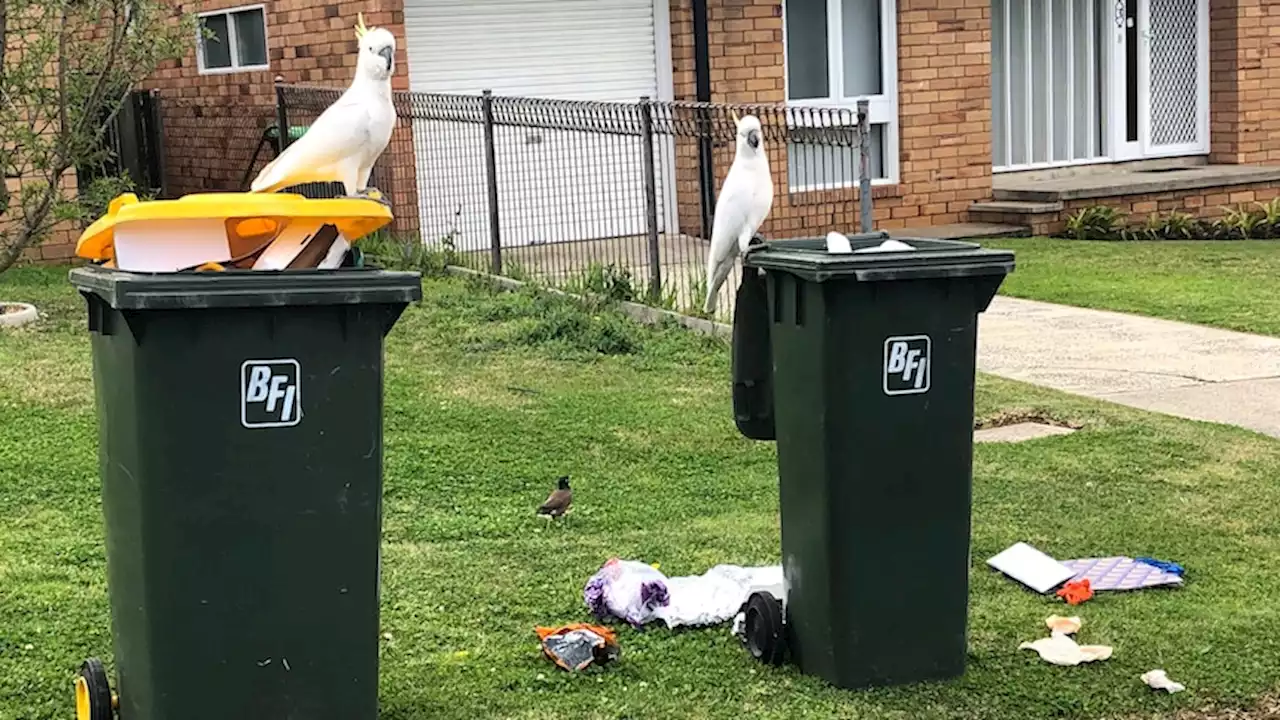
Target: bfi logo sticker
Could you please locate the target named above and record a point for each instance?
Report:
(907, 361)
(270, 393)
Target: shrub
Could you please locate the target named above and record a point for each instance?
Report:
(1097, 222)
(405, 252)
(607, 281)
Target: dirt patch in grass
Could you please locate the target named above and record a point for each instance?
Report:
(1268, 708)
(1015, 417)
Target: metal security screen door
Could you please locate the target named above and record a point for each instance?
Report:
(1173, 78)
(1086, 81)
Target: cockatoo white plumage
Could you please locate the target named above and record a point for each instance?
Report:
(349, 136)
(745, 200)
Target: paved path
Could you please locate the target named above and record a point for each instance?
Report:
(1186, 370)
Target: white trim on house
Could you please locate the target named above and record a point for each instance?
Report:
(883, 107)
(664, 65)
(232, 49)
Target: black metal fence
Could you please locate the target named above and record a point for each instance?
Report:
(134, 140)
(616, 198)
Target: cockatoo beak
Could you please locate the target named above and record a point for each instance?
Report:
(387, 54)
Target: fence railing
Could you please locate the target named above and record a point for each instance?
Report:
(610, 197)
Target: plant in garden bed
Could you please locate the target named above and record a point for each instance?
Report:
(1241, 223)
(1097, 222)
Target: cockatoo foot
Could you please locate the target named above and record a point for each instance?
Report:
(371, 193)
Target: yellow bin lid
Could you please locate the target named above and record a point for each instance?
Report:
(353, 217)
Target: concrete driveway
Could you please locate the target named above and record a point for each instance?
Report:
(1186, 370)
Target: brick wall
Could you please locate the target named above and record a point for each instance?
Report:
(1245, 86)
(944, 89)
(213, 123)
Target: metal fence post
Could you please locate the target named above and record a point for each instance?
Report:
(650, 199)
(864, 165)
(491, 179)
(282, 117)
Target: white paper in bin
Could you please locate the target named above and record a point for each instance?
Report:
(170, 245)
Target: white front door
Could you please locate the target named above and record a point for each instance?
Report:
(1159, 54)
(1084, 81)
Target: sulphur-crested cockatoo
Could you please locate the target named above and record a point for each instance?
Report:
(344, 142)
(745, 200)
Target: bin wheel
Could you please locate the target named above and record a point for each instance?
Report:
(764, 630)
(93, 692)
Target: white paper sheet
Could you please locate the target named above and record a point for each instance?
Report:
(170, 245)
(1031, 567)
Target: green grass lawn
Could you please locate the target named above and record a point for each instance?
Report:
(1228, 284)
(491, 396)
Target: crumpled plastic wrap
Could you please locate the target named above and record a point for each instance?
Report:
(1158, 680)
(1060, 649)
(575, 646)
(628, 590)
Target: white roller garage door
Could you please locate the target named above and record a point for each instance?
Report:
(553, 185)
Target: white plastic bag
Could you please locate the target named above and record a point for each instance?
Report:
(628, 590)
(716, 595)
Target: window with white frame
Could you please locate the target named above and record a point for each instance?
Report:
(838, 52)
(233, 40)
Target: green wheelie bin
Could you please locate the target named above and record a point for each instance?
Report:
(861, 366)
(240, 446)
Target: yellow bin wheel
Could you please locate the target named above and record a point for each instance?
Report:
(93, 692)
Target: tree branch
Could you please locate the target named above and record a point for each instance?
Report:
(99, 86)
(4, 36)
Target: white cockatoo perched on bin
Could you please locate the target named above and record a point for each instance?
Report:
(349, 136)
(745, 200)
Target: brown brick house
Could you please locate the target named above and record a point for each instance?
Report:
(1013, 111)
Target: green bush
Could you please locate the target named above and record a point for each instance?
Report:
(607, 281)
(575, 325)
(1097, 222)
(1100, 222)
(406, 252)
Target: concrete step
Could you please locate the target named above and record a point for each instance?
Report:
(963, 231)
(1016, 207)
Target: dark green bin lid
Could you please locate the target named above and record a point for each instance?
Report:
(932, 258)
(124, 290)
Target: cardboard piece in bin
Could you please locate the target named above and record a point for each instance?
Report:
(236, 229)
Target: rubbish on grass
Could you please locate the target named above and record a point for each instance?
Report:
(1060, 649)
(1158, 680)
(1120, 573)
(640, 593)
(628, 590)
(577, 645)
(1076, 591)
(717, 595)
(1030, 567)
(1065, 625)
(1172, 568)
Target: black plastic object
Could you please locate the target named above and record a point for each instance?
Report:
(93, 692)
(873, 371)
(752, 359)
(240, 451)
(765, 634)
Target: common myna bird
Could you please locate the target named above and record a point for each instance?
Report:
(558, 502)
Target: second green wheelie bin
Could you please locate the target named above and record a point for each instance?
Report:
(240, 429)
(861, 366)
